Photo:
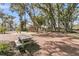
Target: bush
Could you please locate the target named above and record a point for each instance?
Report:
(17, 29)
(4, 49)
(25, 29)
(2, 29)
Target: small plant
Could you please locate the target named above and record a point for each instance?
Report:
(4, 48)
(17, 29)
(25, 29)
(2, 29)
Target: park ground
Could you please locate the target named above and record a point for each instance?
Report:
(55, 43)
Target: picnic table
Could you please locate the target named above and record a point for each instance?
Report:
(22, 40)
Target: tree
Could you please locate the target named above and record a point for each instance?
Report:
(56, 16)
(20, 8)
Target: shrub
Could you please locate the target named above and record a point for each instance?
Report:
(25, 29)
(4, 49)
(17, 29)
(2, 29)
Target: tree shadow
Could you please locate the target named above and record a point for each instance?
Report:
(26, 50)
(57, 34)
(31, 48)
(56, 47)
(70, 50)
(50, 34)
(4, 33)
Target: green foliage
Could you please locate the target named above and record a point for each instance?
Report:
(59, 15)
(40, 20)
(3, 29)
(25, 29)
(4, 49)
(17, 29)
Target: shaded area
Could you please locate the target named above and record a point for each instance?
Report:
(61, 48)
(27, 50)
(31, 48)
(66, 45)
(74, 35)
(50, 34)
(48, 45)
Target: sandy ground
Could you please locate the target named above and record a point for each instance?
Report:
(50, 43)
(11, 36)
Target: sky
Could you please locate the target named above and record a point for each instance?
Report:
(5, 8)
